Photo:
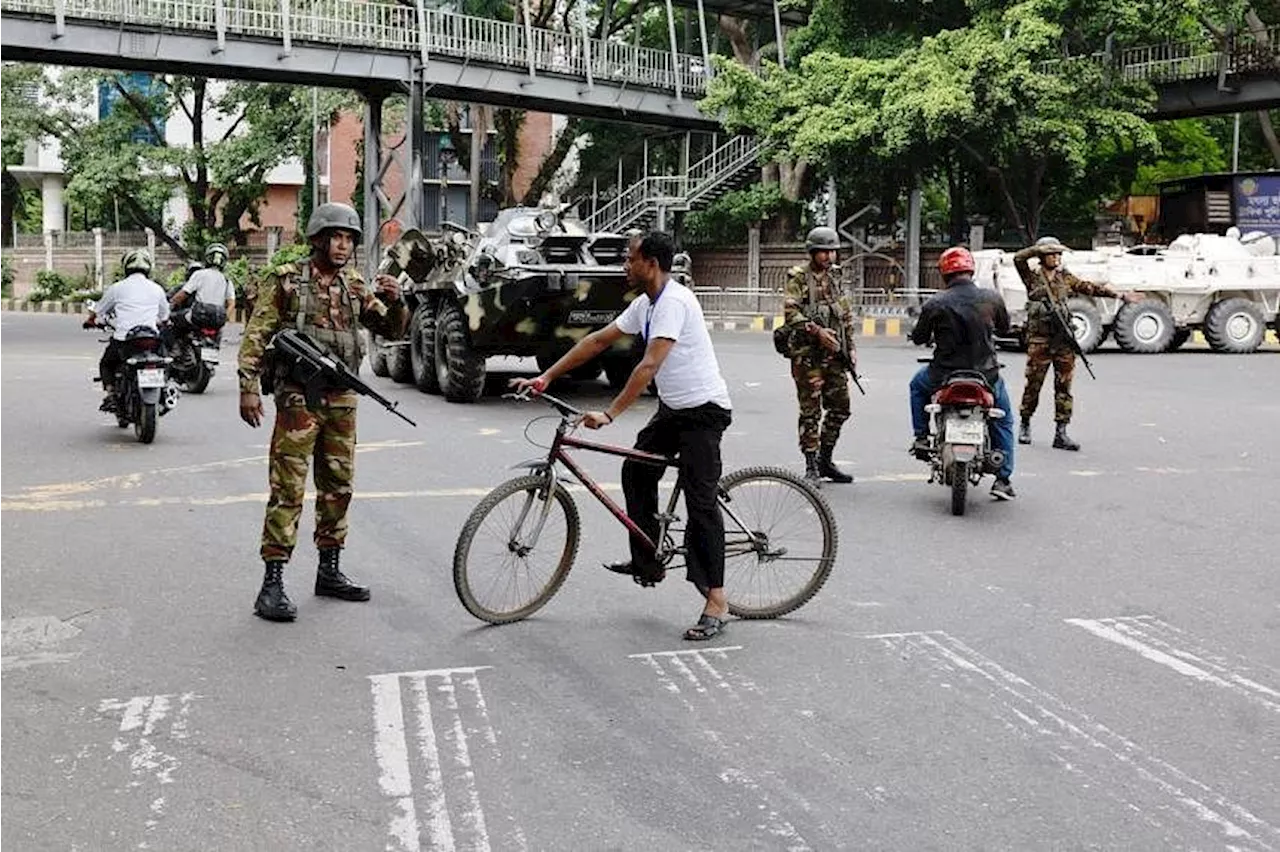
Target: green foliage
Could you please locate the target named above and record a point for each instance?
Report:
(222, 175)
(1186, 148)
(52, 285)
(726, 220)
(6, 277)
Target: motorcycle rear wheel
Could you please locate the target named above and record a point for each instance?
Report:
(145, 428)
(203, 376)
(959, 486)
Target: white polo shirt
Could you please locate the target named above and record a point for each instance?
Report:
(137, 300)
(690, 374)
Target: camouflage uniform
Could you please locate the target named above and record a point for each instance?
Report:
(332, 317)
(819, 375)
(1046, 342)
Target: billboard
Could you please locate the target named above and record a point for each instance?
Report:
(1258, 203)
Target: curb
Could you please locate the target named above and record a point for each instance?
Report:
(24, 306)
(867, 326)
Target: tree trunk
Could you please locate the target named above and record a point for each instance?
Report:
(11, 194)
(554, 160)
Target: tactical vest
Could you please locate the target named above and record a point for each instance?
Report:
(343, 344)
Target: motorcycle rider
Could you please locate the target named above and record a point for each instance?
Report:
(136, 300)
(209, 284)
(961, 321)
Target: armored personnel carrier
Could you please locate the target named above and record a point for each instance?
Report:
(1227, 287)
(532, 285)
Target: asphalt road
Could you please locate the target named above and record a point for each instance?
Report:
(1093, 666)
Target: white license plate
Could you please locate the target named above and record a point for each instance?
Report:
(965, 431)
(209, 356)
(151, 378)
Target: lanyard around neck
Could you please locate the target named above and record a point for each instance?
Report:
(653, 303)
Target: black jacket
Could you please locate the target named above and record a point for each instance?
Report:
(960, 321)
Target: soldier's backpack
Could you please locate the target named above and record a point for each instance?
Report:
(783, 334)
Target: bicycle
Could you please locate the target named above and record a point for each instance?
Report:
(544, 513)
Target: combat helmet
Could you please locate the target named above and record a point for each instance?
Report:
(1050, 245)
(822, 239)
(137, 260)
(333, 214)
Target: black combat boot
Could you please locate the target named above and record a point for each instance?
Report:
(273, 604)
(828, 469)
(1061, 441)
(332, 583)
(811, 472)
(1024, 432)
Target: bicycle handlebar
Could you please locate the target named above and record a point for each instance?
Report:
(565, 409)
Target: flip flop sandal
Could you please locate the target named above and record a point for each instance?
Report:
(708, 626)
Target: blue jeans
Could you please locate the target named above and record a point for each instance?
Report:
(1001, 430)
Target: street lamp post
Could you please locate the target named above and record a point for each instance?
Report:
(448, 156)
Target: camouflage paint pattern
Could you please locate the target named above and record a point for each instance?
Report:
(820, 385)
(1040, 354)
(1058, 285)
(831, 308)
(326, 436)
(519, 297)
(821, 381)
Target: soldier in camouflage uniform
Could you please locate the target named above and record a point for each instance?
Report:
(329, 301)
(1047, 343)
(821, 321)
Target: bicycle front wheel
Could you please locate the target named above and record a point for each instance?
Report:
(515, 549)
(780, 541)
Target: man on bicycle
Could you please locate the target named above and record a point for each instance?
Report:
(693, 412)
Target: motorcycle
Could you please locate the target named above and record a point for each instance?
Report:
(960, 450)
(143, 390)
(194, 339)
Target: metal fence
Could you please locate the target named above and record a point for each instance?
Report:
(394, 27)
(1179, 61)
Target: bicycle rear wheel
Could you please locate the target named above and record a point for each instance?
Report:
(780, 541)
(500, 571)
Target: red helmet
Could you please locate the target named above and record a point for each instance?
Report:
(956, 259)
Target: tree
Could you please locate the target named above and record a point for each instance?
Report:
(18, 205)
(239, 133)
(972, 97)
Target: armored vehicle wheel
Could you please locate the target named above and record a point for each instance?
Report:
(422, 349)
(459, 370)
(1235, 325)
(1144, 327)
(1086, 322)
(377, 355)
(1180, 336)
(398, 365)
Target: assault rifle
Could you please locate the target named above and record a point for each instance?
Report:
(317, 370)
(1062, 318)
(825, 318)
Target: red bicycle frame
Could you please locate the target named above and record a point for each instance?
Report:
(558, 454)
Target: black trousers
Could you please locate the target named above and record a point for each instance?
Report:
(111, 359)
(694, 434)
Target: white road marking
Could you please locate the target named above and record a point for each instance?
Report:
(26, 641)
(691, 666)
(392, 753)
(141, 718)
(1152, 639)
(1085, 748)
(446, 760)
